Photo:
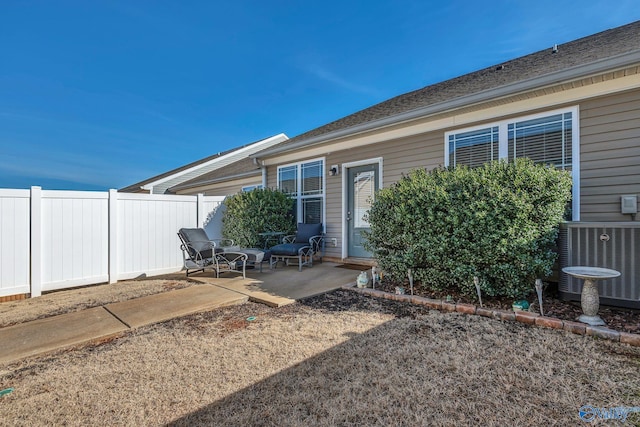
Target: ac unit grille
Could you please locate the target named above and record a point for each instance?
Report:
(608, 245)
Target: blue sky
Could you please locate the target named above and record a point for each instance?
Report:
(103, 94)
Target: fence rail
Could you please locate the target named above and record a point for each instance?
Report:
(53, 239)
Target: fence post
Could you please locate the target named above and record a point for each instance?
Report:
(112, 216)
(36, 241)
(200, 210)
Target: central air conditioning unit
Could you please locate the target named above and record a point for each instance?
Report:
(614, 245)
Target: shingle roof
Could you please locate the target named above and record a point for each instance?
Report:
(583, 51)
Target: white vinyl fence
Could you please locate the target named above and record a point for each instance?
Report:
(59, 239)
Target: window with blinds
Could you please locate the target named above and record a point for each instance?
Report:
(305, 183)
(312, 210)
(473, 148)
(550, 138)
(545, 140)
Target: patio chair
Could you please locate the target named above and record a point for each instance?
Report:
(303, 246)
(199, 253)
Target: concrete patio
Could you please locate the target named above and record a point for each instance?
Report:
(284, 285)
(275, 288)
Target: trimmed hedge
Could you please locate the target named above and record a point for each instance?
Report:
(498, 222)
(257, 211)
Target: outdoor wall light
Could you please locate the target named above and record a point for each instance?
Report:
(334, 170)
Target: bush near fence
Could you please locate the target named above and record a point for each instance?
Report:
(261, 210)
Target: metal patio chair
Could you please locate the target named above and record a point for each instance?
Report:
(307, 243)
(201, 253)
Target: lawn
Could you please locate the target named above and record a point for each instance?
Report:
(338, 359)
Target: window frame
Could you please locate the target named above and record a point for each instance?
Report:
(489, 128)
(503, 144)
(298, 195)
(247, 188)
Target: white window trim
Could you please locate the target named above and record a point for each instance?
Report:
(299, 196)
(503, 146)
(251, 187)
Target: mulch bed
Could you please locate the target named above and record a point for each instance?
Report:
(619, 319)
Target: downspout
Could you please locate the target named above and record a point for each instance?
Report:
(264, 175)
(263, 168)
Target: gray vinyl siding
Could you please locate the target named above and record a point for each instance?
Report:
(224, 188)
(272, 176)
(234, 187)
(610, 154)
(399, 157)
(609, 166)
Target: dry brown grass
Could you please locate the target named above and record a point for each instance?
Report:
(338, 359)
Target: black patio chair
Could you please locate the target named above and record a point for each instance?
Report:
(200, 252)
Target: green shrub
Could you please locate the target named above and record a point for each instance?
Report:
(498, 222)
(257, 211)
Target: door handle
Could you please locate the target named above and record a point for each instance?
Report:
(349, 216)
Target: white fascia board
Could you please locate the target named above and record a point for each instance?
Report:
(218, 162)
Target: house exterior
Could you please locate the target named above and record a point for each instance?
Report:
(575, 105)
(235, 162)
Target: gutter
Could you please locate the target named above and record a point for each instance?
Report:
(608, 64)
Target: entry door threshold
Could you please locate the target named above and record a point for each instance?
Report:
(370, 262)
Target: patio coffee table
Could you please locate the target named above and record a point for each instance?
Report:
(255, 257)
(590, 299)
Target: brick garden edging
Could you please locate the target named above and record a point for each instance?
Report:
(514, 316)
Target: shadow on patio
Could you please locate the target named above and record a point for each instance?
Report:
(283, 285)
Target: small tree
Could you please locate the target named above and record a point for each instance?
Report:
(498, 222)
(257, 211)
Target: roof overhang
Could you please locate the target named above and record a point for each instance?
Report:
(222, 160)
(606, 65)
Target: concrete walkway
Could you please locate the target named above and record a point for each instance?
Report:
(272, 287)
(44, 335)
